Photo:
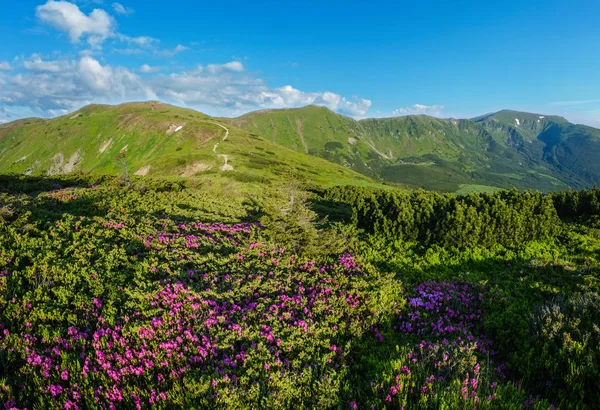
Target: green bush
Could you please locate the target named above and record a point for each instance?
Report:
(564, 346)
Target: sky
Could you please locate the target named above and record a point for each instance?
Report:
(362, 59)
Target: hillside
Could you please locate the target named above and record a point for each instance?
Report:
(155, 139)
(507, 149)
(178, 296)
(315, 131)
(502, 150)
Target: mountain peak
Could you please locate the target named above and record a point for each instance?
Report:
(518, 117)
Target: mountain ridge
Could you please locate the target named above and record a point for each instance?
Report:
(505, 149)
(152, 138)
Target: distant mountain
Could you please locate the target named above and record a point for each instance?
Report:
(156, 139)
(500, 150)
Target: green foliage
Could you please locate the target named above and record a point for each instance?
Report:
(507, 149)
(581, 206)
(313, 308)
(290, 222)
(564, 344)
(507, 218)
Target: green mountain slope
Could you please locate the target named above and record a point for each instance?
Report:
(502, 150)
(158, 140)
(316, 131)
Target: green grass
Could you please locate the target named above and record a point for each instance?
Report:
(143, 132)
(546, 154)
(490, 150)
(466, 189)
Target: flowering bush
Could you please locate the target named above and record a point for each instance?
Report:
(114, 298)
(177, 313)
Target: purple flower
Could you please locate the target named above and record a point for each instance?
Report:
(55, 389)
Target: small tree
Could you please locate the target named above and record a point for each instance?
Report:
(290, 222)
(122, 164)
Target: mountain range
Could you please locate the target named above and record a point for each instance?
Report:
(501, 150)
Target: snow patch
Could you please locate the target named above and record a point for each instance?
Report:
(541, 116)
(517, 121)
(173, 128)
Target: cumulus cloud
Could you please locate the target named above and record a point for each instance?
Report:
(418, 109)
(77, 83)
(5, 66)
(122, 10)
(48, 87)
(68, 18)
(289, 96)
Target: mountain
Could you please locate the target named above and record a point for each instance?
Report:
(151, 138)
(500, 150)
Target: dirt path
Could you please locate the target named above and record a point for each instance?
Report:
(301, 135)
(226, 166)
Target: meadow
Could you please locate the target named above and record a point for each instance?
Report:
(173, 294)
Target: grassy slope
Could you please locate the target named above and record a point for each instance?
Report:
(420, 151)
(503, 150)
(316, 131)
(91, 139)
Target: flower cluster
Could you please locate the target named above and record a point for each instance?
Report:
(263, 319)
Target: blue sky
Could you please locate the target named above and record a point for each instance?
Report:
(363, 59)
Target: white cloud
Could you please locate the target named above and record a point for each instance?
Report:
(47, 87)
(575, 102)
(80, 82)
(142, 41)
(171, 52)
(5, 66)
(418, 109)
(122, 10)
(68, 18)
(148, 48)
(35, 63)
(234, 66)
(147, 69)
(112, 82)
